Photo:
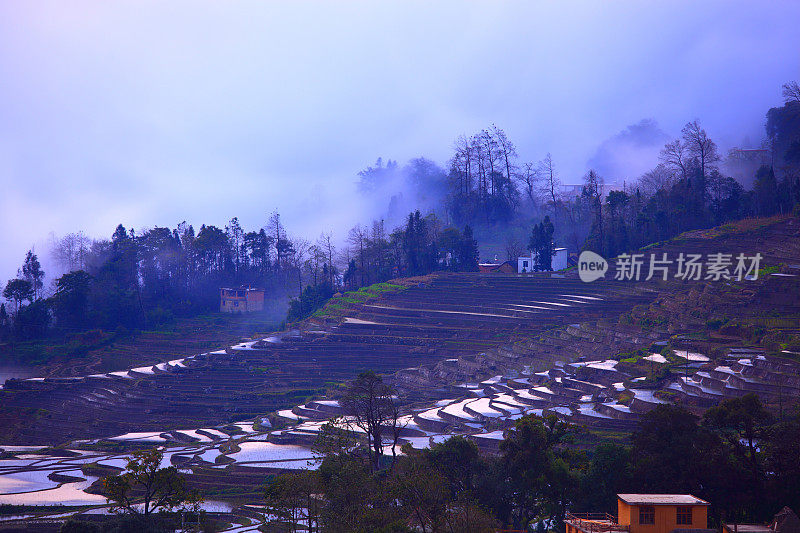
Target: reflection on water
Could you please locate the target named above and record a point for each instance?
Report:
(9, 371)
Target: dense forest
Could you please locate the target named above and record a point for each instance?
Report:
(440, 217)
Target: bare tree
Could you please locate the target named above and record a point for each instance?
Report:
(659, 178)
(514, 249)
(315, 260)
(675, 158)
(358, 238)
(325, 242)
(300, 248)
(71, 251)
(476, 149)
(508, 152)
(791, 92)
(700, 147)
(489, 144)
(236, 237)
(283, 246)
(277, 230)
(549, 182)
(379, 247)
(461, 164)
(529, 178)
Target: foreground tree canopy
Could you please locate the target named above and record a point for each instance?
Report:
(145, 487)
(541, 471)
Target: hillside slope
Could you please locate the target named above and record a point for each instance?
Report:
(442, 335)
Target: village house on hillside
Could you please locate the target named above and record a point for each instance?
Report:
(646, 513)
(669, 513)
(241, 300)
(526, 263)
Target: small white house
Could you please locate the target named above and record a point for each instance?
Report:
(526, 263)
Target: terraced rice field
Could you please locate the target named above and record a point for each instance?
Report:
(469, 354)
(215, 459)
(451, 317)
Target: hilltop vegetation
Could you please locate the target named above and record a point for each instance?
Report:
(145, 279)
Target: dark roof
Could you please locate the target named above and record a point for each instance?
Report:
(661, 499)
(786, 522)
(494, 267)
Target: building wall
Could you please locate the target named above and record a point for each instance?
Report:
(666, 518)
(232, 305)
(623, 512)
(231, 302)
(560, 259)
(255, 300)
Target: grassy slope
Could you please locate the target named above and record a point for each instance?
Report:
(747, 313)
(341, 303)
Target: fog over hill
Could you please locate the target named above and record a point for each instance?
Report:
(136, 114)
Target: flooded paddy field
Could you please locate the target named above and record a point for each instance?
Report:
(213, 458)
(468, 354)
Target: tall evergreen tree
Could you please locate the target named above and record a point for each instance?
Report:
(468, 252)
(32, 273)
(541, 245)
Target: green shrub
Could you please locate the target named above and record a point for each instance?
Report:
(312, 299)
(767, 270)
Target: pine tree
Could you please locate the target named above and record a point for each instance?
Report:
(32, 273)
(468, 252)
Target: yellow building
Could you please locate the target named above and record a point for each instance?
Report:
(241, 300)
(645, 513)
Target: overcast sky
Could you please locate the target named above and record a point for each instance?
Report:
(150, 113)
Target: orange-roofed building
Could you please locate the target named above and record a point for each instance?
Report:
(645, 513)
